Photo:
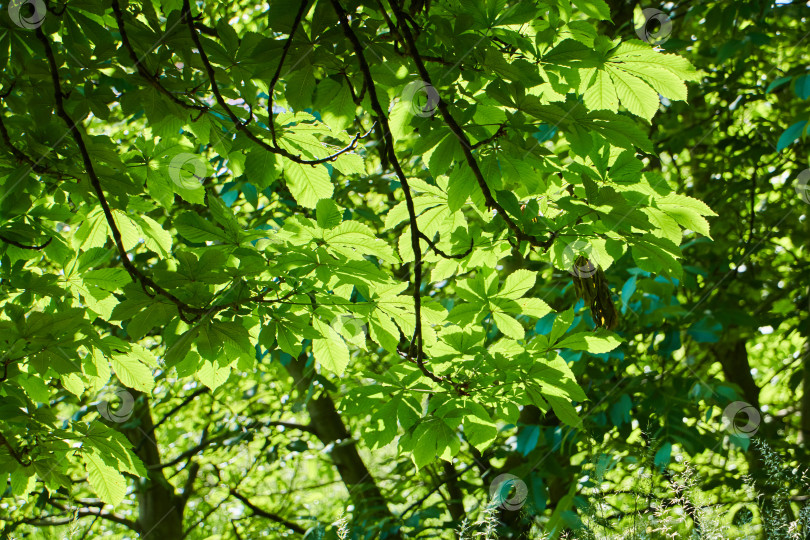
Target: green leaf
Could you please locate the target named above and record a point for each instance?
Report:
(600, 341)
(790, 135)
(308, 183)
(479, 432)
(132, 373)
(662, 80)
(105, 481)
(300, 86)
(108, 279)
(596, 9)
(461, 186)
(330, 351)
(517, 284)
(508, 325)
(635, 95)
(564, 410)
(601, 94)
(194, 228)
(328, 214)
(656, 255)
(561, 324)
(261, 168)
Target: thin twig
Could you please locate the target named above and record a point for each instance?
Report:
(441, 253)
(268, 515)
(463, 139)
(239, 124)
(23, 246)
(277, 74)
(119, 18)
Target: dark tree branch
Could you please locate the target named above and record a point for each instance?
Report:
(463, 139)
(18, 456)
(267, 515)
(437, 487)
(415, 349)
(441, 253)
(119, 18)
(501, 131)
(146, 282)
(205, 442)
(188, 485)
(23, 246)
(188, 399)
(82, 512)
(18, 154)
(239, 124)
(277, 74)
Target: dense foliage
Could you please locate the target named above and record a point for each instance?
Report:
(404, 269)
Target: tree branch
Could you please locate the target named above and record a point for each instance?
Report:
(188, 399)
(239, 124)
(81, 512)
(145, 281)
(268, 515)
(206, 442)
(18, 457)
(277, 74)
(23, 246)
(388, 141)
(119, 18)
(441, 253)
(462, 137)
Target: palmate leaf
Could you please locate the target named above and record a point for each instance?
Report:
(247, 275)
(429, 439)
(633, 75)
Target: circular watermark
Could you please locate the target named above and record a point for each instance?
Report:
(580, 259)
(31, 20)
(352, 328)
(115, 404)
(802, 187)
(505, 485)
(732, 423)
(653, 27)
(422, 98)
(187, 170)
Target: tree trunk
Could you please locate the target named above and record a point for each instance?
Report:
(804, 427)
(737, 370)
(160, 509)
(370, 505)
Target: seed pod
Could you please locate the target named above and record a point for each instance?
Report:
(593, 288)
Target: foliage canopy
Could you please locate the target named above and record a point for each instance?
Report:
(328, 268)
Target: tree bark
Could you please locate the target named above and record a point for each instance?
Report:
(737, 370)
(804, 427)
(160, 509)
(369, 503)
